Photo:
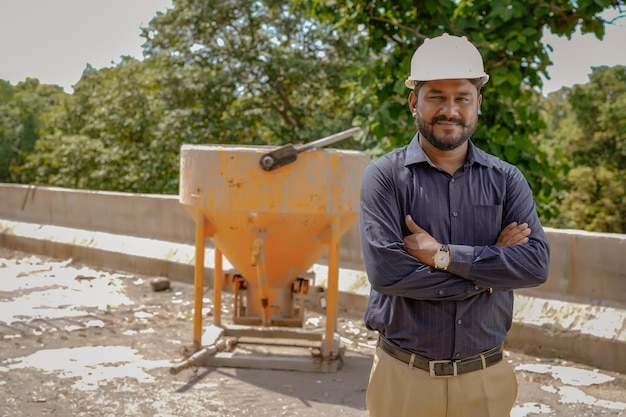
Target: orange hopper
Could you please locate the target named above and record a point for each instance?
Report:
(272, 226)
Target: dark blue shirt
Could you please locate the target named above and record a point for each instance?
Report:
(468, 308)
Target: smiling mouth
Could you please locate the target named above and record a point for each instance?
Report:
(448, 125)
(447, 122)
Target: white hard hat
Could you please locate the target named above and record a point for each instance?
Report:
(446, 57)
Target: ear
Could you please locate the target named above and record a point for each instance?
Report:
(412, 100)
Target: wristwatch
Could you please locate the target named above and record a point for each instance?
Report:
(442, 257)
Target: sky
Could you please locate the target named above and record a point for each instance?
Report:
(54, 40)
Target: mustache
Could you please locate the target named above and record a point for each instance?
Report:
(446, 119)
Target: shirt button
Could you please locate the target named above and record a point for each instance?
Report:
(440, 292)
(454, 213)
(460, 321)
(476, 287)
(452, 180)
(457, 355)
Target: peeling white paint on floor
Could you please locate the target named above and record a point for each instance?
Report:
(530, 409)
(573, 395)
(567, 374)
(93, 366)
(57, 289)
(41, 291)
(569, 394)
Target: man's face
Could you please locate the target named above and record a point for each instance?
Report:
(446, 112)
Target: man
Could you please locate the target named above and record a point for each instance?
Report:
(448, 231)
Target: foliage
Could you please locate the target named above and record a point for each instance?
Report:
(588, 126)
(55, 161)
(596, 200)
(22, 109)
(508, 34)
(271, 72)
(103, 137)
(240, 71)
(262, 71)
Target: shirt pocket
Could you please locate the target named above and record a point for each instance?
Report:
(486, 223)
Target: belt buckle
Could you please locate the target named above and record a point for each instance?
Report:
(431, 367)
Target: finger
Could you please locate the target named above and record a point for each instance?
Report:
(521, 241)
(508, 233)
(413, 227)
(512, 229)
(509, 227)
(521, 233)
(522, 237)
(519, 238)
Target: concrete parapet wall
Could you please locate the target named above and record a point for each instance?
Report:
(151, 216)
(585, 333)
(587, 266)
(578, 314)
(584, 265)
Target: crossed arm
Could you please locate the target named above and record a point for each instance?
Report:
(422, 246)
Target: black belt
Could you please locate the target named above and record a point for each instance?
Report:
(443, 368)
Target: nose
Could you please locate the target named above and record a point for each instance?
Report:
(449, 108)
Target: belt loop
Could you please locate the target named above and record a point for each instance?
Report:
(482, 358)
(411, 361)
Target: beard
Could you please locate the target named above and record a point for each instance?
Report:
(446, 142)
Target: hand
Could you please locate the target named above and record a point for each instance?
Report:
(513, 234)
(420, 244)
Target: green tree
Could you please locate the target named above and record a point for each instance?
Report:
(253, 72)
(104, 136)
(21, 111)
(509, 35)
(241, 71)
(587, 124)
(267, 72)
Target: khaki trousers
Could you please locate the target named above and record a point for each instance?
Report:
(396, 391)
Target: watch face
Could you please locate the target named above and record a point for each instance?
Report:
(441, 259)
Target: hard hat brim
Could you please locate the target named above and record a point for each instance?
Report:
(410, 83)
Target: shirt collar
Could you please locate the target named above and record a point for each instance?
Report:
(415, 154)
